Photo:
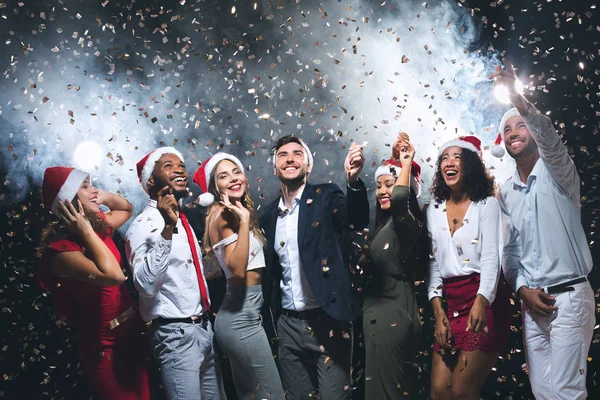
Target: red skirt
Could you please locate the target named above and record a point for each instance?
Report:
(460, 293)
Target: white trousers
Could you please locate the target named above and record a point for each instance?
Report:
(556, 347)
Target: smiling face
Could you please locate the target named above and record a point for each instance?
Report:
(170, 171)
(88, 195)
(517, 139)
(451, 167)
(383, 193)
(291, 164)
(230, 180)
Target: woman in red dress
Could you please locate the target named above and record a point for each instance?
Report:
(81, 266)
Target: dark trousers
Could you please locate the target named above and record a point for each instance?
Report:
(314, 357)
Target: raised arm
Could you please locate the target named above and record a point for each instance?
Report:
(403, 219)
(551, 149)
(357, 203)
(101, 268)
(236, 251)
(148, 245)
(148, 254)
(120, 209)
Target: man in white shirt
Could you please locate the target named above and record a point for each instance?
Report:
(546, 256)
(165, 257)
(309, 300)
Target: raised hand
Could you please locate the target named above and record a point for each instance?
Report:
(405, 150)
(354, 163)
(74, 220)
(402, 137)
(508, 78)
(238, 210)
(168, 206)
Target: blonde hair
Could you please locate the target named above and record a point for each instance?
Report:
(246, 202)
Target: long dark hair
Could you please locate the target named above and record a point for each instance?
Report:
(55, 231)
(477, 181)
(246, 202)
(383, 216)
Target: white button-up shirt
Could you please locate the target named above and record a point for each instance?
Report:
(475, 247)
(545, 241)
(163, 270)
(296, 293)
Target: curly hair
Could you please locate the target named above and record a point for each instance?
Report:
(246, 201)
(477, 181)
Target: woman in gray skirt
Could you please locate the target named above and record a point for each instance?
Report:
(233, 234)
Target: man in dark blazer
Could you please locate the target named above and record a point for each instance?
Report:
(309, 301)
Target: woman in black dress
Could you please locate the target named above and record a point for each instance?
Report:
(391, 321)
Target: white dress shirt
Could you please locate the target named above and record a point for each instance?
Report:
(296, 293)
(474, 248)
(163, 270)
(545, 241)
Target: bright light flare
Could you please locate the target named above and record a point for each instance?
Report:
(502, 94)
(87, 156)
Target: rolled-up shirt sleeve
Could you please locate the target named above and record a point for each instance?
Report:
(148, 255)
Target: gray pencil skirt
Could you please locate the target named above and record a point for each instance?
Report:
(239, 332)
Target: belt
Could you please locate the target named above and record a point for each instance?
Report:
(313, 313)
(565, 286)
(196, 320)
(125, 315)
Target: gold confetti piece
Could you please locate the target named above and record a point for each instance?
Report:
(475, 241)
(386, 246)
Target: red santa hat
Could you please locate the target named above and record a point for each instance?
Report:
(415, 173)
(202, 175)
(471, 143)
(145, 166)
(497, 149)
(60, 184)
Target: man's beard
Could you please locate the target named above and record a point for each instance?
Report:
(293, 182)
(179, 194)
(527, 151)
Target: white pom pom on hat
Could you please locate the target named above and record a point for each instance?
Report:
(497, 149)
(202, 175)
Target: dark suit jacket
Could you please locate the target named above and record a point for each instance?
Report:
(325, 219)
